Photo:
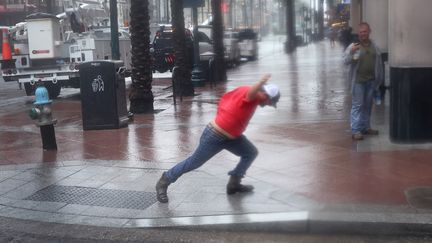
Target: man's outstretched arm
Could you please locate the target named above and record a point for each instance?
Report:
(251, 95)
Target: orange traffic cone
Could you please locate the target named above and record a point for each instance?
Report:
(6, 50)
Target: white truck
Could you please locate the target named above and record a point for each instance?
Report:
(44, 52)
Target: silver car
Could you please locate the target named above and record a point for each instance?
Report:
(248, 44)
(232, 49)
(230, 41)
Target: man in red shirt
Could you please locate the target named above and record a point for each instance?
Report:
(235, 110)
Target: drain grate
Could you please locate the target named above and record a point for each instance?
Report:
(420, 197)
(95, 197)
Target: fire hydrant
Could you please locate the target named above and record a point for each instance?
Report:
(42, 113)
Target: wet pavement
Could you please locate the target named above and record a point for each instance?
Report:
(309, 175)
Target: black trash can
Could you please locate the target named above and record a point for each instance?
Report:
(103, 95)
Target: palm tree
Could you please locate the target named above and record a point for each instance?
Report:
(183, 67)
(217, 28)
(141, 95)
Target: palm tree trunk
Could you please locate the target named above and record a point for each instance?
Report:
(141, 95)
(183, 67)
(217, 28)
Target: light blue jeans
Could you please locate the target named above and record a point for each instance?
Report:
(361, 109)
(211, 143)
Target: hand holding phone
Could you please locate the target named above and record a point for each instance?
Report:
(355, 47)
(356, 51)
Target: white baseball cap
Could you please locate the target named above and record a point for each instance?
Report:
(272, 91)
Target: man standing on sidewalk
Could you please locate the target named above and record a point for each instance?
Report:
(235, 110)
(366, 75)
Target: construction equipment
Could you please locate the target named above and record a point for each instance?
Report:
(43, 51)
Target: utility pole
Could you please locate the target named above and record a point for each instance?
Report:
(290, 44)
(50, 6)
(167, 14)
(252, 14)
(320, 19)
(115, 49)
(245, 15)
(158, 11)
(260, 11)
(218, 46)
(233, 8)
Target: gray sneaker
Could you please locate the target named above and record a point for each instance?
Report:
(161, 189)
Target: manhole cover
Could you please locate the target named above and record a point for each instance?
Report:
(95, 197)
(420, 197)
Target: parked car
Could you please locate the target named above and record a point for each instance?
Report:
(248, 44)
(232, 48)
(230, 41)
(162, 48)
(205, 43)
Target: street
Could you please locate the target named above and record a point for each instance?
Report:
(15, 231)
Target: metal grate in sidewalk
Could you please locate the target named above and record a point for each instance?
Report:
(95, 197)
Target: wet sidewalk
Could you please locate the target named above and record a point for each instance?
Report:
(309, 174)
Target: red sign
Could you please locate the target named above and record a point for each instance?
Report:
(225, 7)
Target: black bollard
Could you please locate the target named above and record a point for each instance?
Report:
(48, 137)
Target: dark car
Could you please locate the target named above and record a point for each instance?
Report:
(163, 48)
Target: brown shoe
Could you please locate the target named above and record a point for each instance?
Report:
(370, 131)
(357, 136)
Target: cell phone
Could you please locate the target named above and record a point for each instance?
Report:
(355, 39)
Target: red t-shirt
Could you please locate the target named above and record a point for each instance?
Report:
(235, 111)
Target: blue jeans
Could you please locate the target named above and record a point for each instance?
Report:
(211, 143)
(361, 108)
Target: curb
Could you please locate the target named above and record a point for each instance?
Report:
(301, 222)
